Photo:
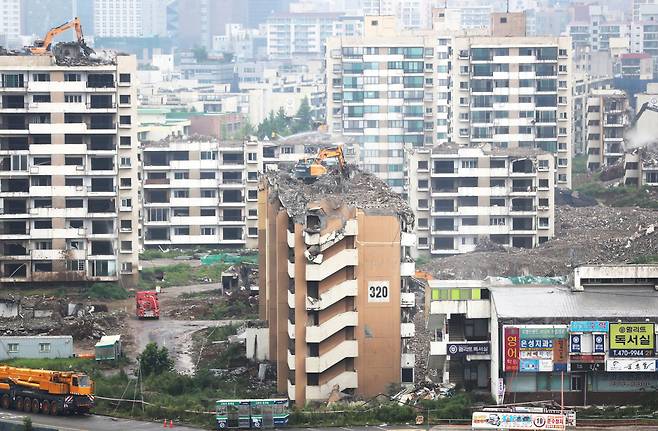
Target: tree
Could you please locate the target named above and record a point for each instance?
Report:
(200, 53)
(281, 122)
(154, 360)
(303, 118)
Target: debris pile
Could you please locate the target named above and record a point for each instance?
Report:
(91, 326)
(583, 235)
(424, 390)
(79, 54)
(355, 188)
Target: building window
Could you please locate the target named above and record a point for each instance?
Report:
(181, 230)
(252, 157)
(125, 162)
(124, 99)
(44, 347)
(125, 141)
(72, 98)
(181, 193)
(124, 77)
(181, 175)
(126, 182)
(12, 347)
(127, 267)
(72, 77)
(208, 193)
(562, 178)
(252, 176)
(208, 231)
(252, 195)
(126, 225)
(43, 224)
(543, 221)
(207, 212)
(125, 119)
(253, 231)
(469, 164)
(126, 203)
(208, 155)
(41, 77)
(497, 221)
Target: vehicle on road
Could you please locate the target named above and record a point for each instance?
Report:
(147, 304)
(44, 391)
(252, 413)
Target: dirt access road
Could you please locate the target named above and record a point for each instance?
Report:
(175, 335)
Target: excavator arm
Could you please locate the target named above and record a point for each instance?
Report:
(645, 106)
(43, 46)
(309, 169)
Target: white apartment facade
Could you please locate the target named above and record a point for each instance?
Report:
(607, 117)
(202, 192)
(461, 196)
(304, 34)
(130, 18)
(10, 20)
(393, 90)
(68, 171)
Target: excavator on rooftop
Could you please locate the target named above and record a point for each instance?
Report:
(43, 46)
(309, 169)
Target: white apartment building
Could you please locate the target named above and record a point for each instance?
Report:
(390, 90)
(292, 35)
(69, 201)
(10, 20)
(130, 18)
(607, 117)
(461, 196)
(202, 192)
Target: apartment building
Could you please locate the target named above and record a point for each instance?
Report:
(202, 192)
(68, 170)
(335, 286)
(10, 20)
(304, 34)
(607, 116)
(462, 196)
(393, 89)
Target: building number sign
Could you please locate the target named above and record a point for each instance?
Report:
(378, 291)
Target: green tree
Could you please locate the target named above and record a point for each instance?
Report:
(154, 360)
(303, 118)
(281, 122)
(200, 53)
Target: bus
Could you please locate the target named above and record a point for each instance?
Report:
(258, 413)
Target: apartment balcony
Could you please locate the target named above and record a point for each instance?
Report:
(291, 360)
(290, 238)
(346, 349)
(333, 295)
(316, 334)
(407, 269)
(318, 272)
(351, 228)
(407, 300)
(291, 269)
(291, 299)
(291, 330)
(407, 330)
(345, 380)
(291, 391)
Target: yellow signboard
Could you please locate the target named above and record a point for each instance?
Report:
(632, 336)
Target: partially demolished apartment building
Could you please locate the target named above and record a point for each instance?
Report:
(607, 116)
(68, 169)
(464, 196)
(335, 279)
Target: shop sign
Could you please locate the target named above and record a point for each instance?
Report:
(511, 335)
(560, 354)
(543, 333)
(536, 344)
(460, 349)
(587, 358)
(599, 343)
(589, 326)
(575, 343)
(631, 353)
(632, 336)
(586, 366)
(536, 354)
(518, 421)
(529, 365)
(630, 365)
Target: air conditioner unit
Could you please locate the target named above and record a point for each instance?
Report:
(34, 169)
(79, 168)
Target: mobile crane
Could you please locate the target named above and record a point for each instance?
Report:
(42, 47)
(44, 391)
(310, 168)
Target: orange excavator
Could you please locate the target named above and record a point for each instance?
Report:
(42, 47)
(311, 168)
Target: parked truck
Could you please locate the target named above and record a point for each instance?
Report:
(44, 391)
(147, 304)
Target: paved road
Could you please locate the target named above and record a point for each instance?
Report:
(87, 423)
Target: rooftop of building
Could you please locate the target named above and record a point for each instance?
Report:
(562, 302)
(68, 54)
(163, 143)
(314, 138)
(466, 151)
(353, 188)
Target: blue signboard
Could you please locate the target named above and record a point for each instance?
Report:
(575, 343)
(559, 367)
(589, 326)
(529, 366)
(599, 343)
(537, 344)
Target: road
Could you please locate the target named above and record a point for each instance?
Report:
(87, 423)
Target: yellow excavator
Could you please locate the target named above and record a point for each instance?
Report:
(44, 46)
(309, 169)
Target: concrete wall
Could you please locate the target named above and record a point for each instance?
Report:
(257, 343)
(28, 347)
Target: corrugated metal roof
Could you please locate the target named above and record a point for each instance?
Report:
(561, 302)
(108, 340)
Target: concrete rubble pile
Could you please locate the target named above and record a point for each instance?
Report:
(424, 390)
(583, 235)
(77, 54)
(356, 188)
